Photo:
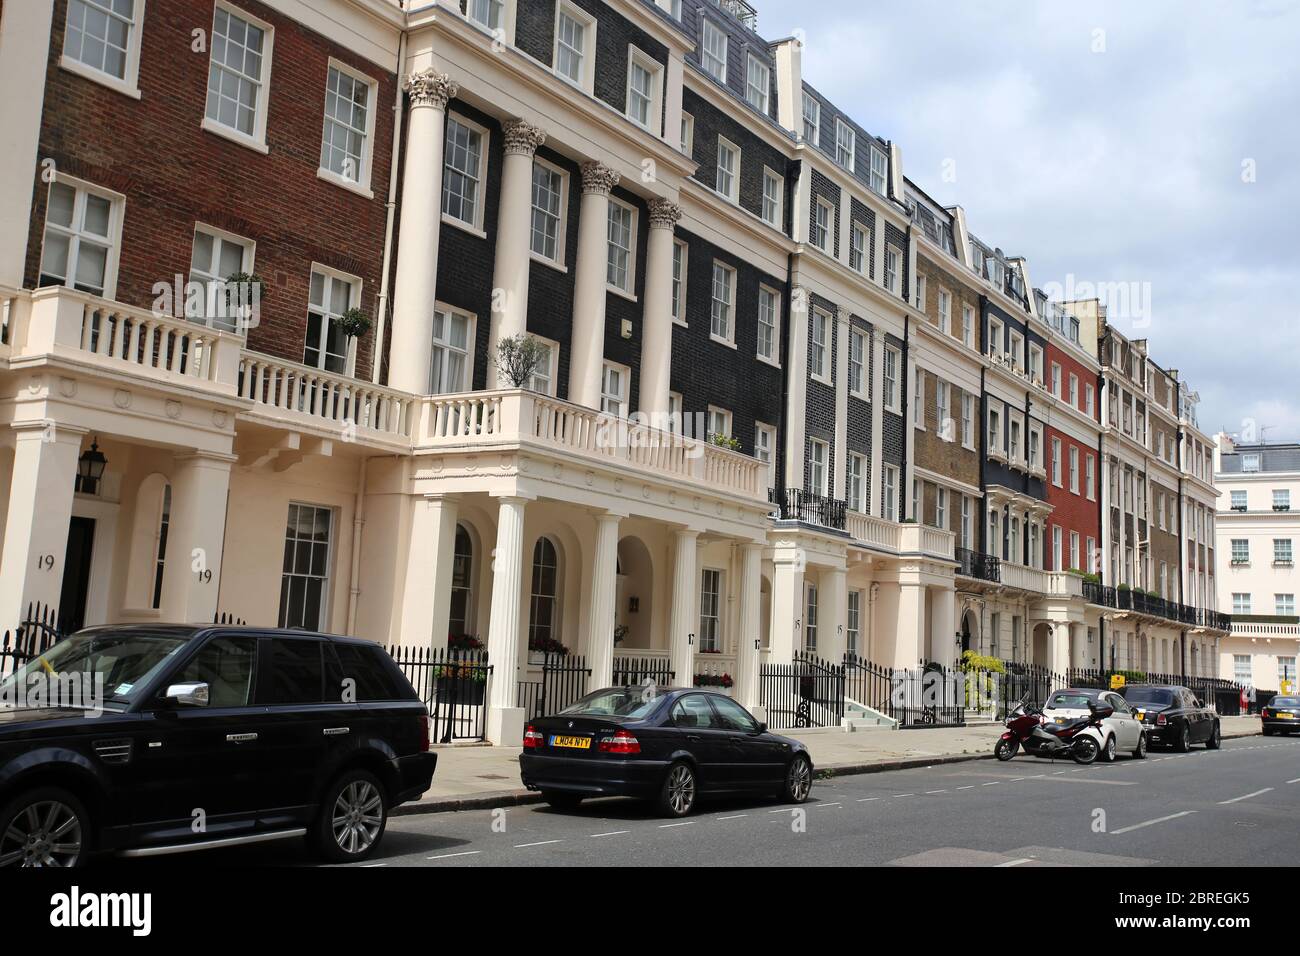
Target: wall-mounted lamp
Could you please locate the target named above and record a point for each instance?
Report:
(90, 469)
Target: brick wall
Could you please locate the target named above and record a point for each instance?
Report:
(175, 174)
(1070, 511)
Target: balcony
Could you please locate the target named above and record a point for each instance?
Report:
(490, 420)
(982, 567)
(1139, 602)
(895, 538)
(795, 504)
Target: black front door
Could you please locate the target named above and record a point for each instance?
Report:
(76, 574)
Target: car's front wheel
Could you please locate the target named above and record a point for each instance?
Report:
(352, 818)
(798, 780)
(1111, 749)
(677, 797)
(1215, 738)
(47, 826)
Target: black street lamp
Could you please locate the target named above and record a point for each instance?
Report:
(90, 468)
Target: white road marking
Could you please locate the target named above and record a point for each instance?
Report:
(867, 799)
(736, 816)
(935, 791)
(448, 856)
(1149, 823)
(969, 786)
(991, 783)
(897, 795)
(1296, 780)
(520, 846)
(1245, 796)
(836, 804)
(668, 826)
(367, 866)
(1015, 862)
(610, 833)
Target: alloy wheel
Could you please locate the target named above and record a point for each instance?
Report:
(44, 833)
(1110, 748)
(681, 789)
(798, 780)
(358, 816)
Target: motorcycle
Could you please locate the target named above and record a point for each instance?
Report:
(1081, 739)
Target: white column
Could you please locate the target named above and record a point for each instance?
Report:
(196, 538)
(657, 322)
(604, 586)
(505, 722)
(833, 612)
(514, 239)
(24, 56)
(943, 625)
(426, 593)
(416, 286)
(683, 619)
(910, 625)
(751, 587)
(788, 565)
(40, 511)
(587, 353)
(875, 506)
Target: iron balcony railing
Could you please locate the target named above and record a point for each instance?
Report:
(1127, 599)
(795, 504)
(974, 564)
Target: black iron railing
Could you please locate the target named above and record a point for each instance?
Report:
(1129, 599)
(637, 671)
(795, 504)
(454, 686)
(975, 564)
(564, 680)
(809, 692)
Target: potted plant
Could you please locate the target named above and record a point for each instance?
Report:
(620, 634)
(724, 441)
(460, 684)
(243, 293)
(463, 642)
(354, 323)
(539, 647)
(518, 358)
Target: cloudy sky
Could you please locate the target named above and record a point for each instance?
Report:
(1153, 142)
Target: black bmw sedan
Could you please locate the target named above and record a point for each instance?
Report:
(671, 746)
(1281, 716)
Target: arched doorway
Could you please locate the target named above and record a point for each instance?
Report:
(634, 597)
(1042, 647)
(970, 630)
(544, 597)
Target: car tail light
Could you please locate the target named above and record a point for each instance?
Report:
(1265, 712)
(1160, 720)
(621, 743)
(533, 738)
(424, 734)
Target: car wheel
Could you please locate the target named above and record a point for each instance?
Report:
(677, 798)
(352, 818)
(44, 827)
(1085, 750)
(1184, 740)
(1141, 752)
(1268, 731)
(798, 780)
(1111, 749)
(1213, 742)
(1006, 749)
(560, 800)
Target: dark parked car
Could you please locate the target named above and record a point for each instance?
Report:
(1281, 716)
(671, 747)
(1173, 717)
(204, 737)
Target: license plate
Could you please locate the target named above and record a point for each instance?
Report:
(1285, 716)
(1061, 720)
(576, 743)
(1141, 714)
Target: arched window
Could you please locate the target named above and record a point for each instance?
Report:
(546, 573)
(462, 584)
(160, 555)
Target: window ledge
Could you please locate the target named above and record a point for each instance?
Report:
(225, 132)
(463, 226)
(621, 293)
(330, 176)
(557, 266)
(821, 380)
(721, 341)
(98, 76)
(767, 361)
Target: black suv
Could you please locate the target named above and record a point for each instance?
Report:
(205, 736)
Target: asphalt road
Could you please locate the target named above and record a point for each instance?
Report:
(1236, 806)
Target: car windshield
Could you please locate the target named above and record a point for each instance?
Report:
(1069, 700)
(90, 670)
(615, 702)
(1285, 702)
(1149, 695)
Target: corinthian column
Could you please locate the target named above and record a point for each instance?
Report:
(505, 721)
(415, 289)
(657, 322)
(514, 230)
(587, 353)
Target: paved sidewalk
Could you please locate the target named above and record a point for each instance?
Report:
(470, 777)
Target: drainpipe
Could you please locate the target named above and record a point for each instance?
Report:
(982, 429)
(381, 307)
(358, 523)
(1182, 555)
(905, 405)
(784, 418)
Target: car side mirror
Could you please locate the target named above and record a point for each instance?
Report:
(194, 694)
(762, 729)
(1197, 702)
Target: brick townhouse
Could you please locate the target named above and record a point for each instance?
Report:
(788, 404)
